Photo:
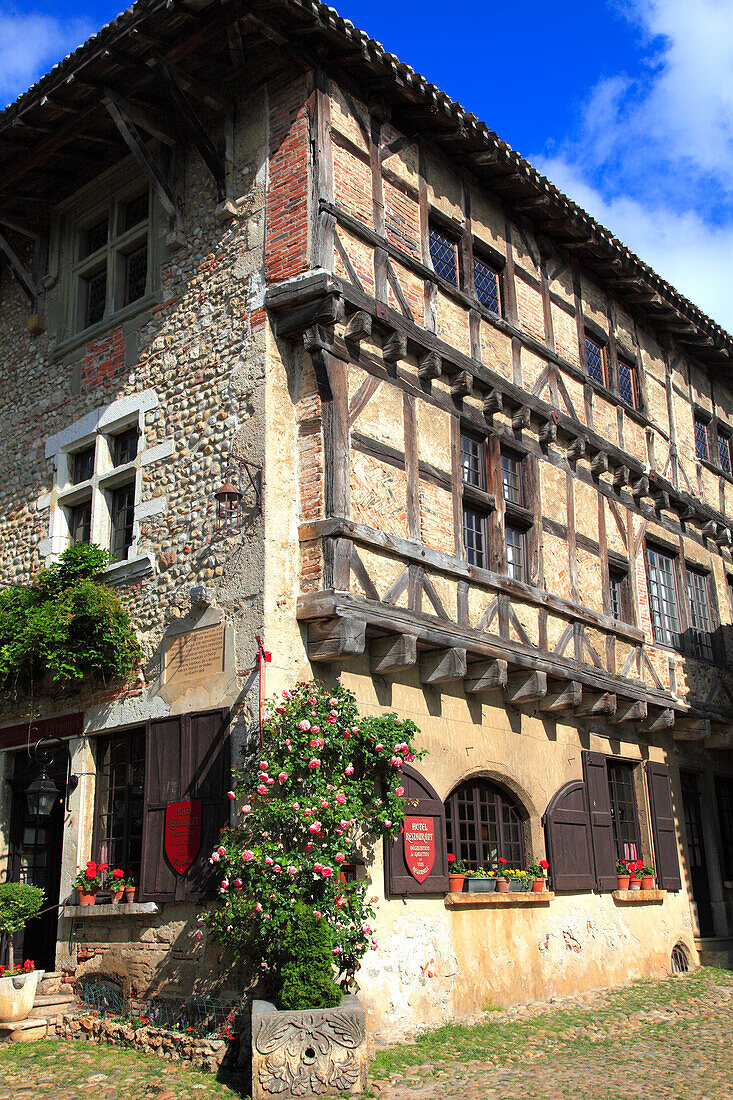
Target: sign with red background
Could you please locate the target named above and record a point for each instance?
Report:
(419, 846)
(182, 833)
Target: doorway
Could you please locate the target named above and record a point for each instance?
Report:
(696, 849)
(35, 857)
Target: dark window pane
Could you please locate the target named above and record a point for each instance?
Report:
(473, 537)
(483, 824)
(80, 522)
(627, 382)
(122, 515)
(119, 817)
(595, 357)
(136, 271)
(623, 810)
(443, 255)
(486, 281)
(616, 582)
(471, 461)
(701, 439)
(663, 597)
(96, 297)
(134, 212)
(82, 466)
(724, 452)
(514, 551)
(94, 238)
(125, 447)
(724, 792)
(511, 475)
(701, 627)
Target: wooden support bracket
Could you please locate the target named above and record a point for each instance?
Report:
(140, 152)
(429, 366)
(576, 449)
(392, 654)
(141, 118)
(691, 729)
(621, 476)
(394, 347)
(359, 326)
(521, 418)
(709, 530)
(24, 277)
(548, 431)
(599, 463)
(193, 124)
(523, 688)
(597, 705)
(461, 384)
(443, 665)
(493, 402)
(568, 698)
(486, 676)
(336, 638)
(658, 719)
(640, 486)
(628, 711)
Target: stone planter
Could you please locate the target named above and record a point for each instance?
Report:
(315, 1052)
(17, 995)
(519, 885)
(481, 885)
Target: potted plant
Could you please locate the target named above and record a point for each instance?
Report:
(519, 881)
(482, 881)
(116, 885)
(19, 902)
(502, 876)
(623, 874)
(635, 867)
(647, 877)
(129, 889)
(18, 991)
(456, 873)
(89, 881)
(537, 873)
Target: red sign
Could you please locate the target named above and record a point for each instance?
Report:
(182, 834)
(67, 725)
(419, 846)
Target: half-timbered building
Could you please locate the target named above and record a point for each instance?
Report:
(479, 464)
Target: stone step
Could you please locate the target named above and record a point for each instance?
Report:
(24, 1031)
(715, 951)
(54, 1004)
(51, 983)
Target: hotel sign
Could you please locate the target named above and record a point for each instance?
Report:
(182, 834)
(419, 846)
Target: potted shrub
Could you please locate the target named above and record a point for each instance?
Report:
(623, 874)
(537, 873)
(635, 867)
(647, 877)
(19, 902)
(129, 889)
(456, 873)
(90, 881)
(519, 881)
(481, 882)
(116, 885)
(502, 876)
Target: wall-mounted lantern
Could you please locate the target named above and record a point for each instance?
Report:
(228, 499)
(42, 793)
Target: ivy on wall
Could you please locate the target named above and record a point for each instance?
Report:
(65, 627)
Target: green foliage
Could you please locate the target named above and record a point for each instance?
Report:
(325, 787)
(19, 901)
(67, 625)
(307, 977)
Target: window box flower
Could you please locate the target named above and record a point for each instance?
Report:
(456, 873)
(480, 882)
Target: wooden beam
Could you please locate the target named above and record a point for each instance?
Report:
(523, 688)
(568, 698)
(597, 705)
(691, 729)
(137, 147)
(140, 117)
(658, 719)
(193, 125)
(24, 277)
(628, 711)
(392, 654)
(442, 666)
(336, 638)
(486, 676)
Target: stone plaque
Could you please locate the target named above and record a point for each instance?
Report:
(195, 658)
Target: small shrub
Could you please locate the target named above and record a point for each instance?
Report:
(19, 902)
(307, 978)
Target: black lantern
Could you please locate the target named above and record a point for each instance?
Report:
(41, 795)
(227, 507)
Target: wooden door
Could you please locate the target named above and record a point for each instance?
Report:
(696, 851)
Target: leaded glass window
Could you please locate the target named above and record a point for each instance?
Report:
(486, 281)
(118, 826)
(472, 461)
(483, 823)
(702, 448)
(122, 516)
(724, 451)
(616, 582)
(663, 597)
(80, 523)
(595, 355)
(444, 254)
(627, 383)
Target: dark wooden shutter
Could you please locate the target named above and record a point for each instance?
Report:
(568, 838)
(601, 822)
(667, 864)
(186, 757)
(398, 882)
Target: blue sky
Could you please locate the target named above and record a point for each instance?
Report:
(627, 105)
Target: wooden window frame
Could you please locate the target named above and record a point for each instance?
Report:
(701, 426)
(122, 552)
(633, 370)
(613, 767)
(475, 500)
(701, 638)
(517, 517)
(101, 743)
(592, 338)
(482, 258)
(675, 635)
(438, 228)
(72, 519)
(500, 798)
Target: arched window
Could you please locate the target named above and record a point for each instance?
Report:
(483, 823)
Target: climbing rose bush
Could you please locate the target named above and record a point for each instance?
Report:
(326, 785)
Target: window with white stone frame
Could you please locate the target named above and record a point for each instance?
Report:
(96, 497)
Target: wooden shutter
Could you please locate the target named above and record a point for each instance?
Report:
(186, 757)
(601, 822)
(569, 840)
(667, 864)
(398, 882)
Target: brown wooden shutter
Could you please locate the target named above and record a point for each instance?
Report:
(569, 840)
(667, 864)
(398, 882)
(601, 822)
(186, 757)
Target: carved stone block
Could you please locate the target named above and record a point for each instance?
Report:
(315, 1052)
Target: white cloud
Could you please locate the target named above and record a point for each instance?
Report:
(653, 156)
(30, 44)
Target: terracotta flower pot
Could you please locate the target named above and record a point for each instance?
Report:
(129, 894)
(455, 883)
(117, 896)
(647, 882)
(538, 885)
(623, 882)
(635, 884)
(502, 886)
(86, 897)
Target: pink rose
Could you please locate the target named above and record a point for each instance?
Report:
(336, 951)
(262, 789)
(354, 729)
(395, 761)
(315, 729)
(270, 782)
(277, 869)
(340, 798)
(317, 867)
(237, 884)
(324, 804)
(327, 872)
(379, 747)
(280, 710)
(263, 766)
(292, 870)
(247, 856)
(283, 777)
(258, 907)
(388, 824)
(296, 805)
(340, 857)
(340, 902)
(399, 791)
(246, 810)
(317, 914)
(314, 764)
(349, 769)
(198, 934)
(268, 861)
(332, 719)
(304, 725)
(315, 827)
(312, 700)
(225, 884)
(221, 851)
(309, 847)
(231, 794)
